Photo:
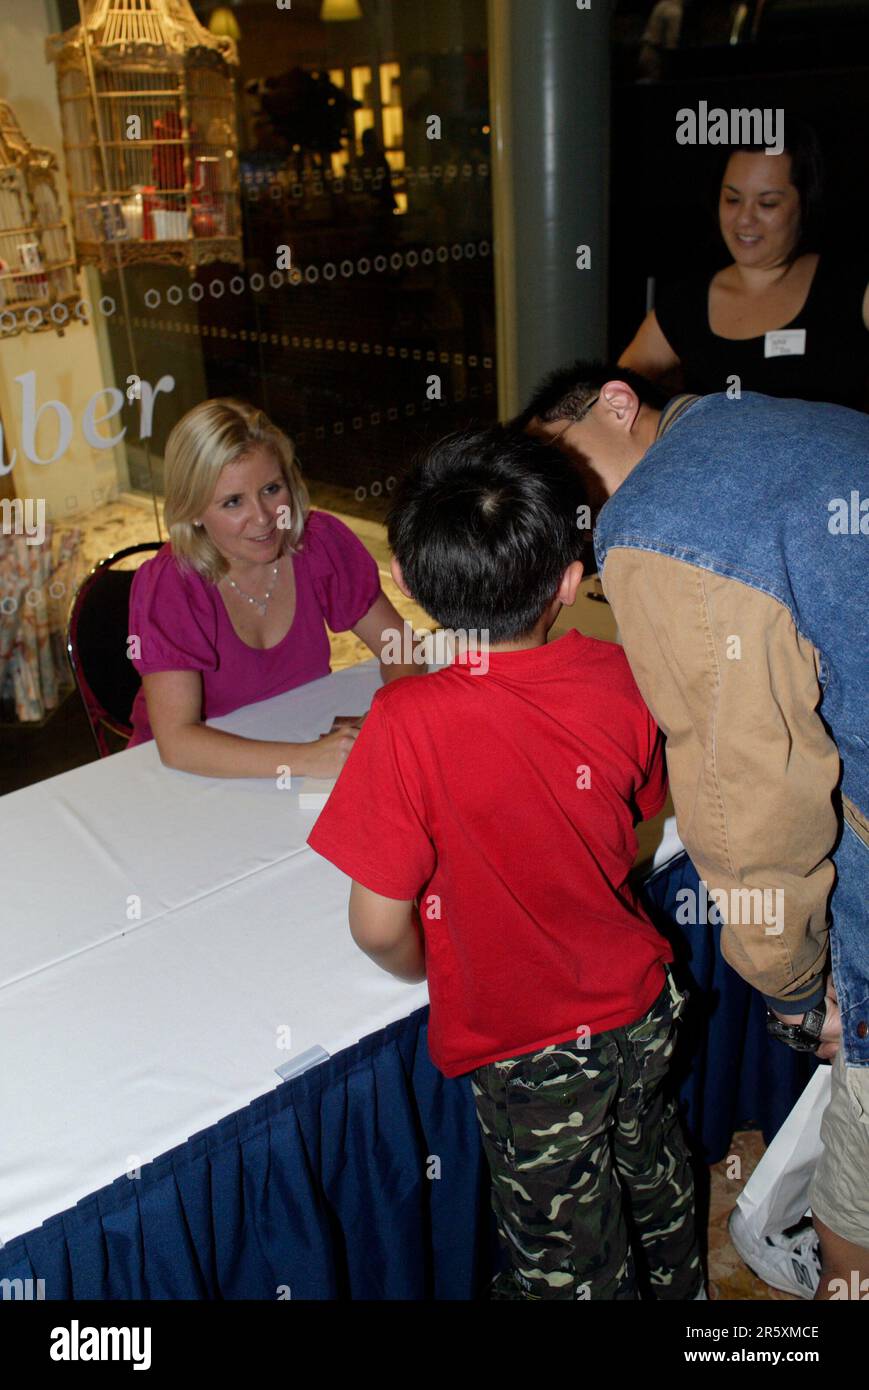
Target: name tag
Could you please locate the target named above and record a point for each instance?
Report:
(787, 342)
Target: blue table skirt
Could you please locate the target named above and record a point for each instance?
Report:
(325, 1188)
(317, 1190)
(730, 1073)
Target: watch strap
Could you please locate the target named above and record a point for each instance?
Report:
(803, 1037)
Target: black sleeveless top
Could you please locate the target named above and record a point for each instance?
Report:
(834, 366)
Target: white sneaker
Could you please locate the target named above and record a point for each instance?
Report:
(791, 1263)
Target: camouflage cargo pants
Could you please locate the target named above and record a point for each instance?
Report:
(581, 1141)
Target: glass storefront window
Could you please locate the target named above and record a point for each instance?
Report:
(352, 297)
(382, 327)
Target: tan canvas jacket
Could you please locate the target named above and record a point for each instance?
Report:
(753, 770)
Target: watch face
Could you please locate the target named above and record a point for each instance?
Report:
(813, 1023)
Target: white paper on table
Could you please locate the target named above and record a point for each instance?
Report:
(314, 792)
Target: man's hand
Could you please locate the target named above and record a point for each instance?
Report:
(831, 1033)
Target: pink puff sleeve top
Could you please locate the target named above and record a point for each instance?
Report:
(184, 626)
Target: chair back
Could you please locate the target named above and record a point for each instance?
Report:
(96, 643)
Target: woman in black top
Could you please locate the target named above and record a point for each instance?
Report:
(780, 318)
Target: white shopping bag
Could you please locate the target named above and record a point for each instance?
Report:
(777, 1193)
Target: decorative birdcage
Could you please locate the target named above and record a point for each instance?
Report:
(147, 99)
(38, 284)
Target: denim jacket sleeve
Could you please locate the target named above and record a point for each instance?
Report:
(752, 768)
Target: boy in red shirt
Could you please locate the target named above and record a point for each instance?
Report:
(486, 816)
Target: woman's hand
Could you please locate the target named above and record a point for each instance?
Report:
(351, 721)
(327, 756)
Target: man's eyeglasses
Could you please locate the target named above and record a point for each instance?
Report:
(581, 416)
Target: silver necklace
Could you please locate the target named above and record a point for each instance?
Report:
(261, 603)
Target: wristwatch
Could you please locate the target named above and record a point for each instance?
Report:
(802, 1037)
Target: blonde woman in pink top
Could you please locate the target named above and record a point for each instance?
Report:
(234, 609)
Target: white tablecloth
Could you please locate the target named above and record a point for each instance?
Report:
(122, 1035)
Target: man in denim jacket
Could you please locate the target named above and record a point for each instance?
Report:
(734, 550)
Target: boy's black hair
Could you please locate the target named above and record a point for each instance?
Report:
(566, 393)
(484, 527)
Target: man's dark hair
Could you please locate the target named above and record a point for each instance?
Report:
(568, 392)
(484, 527)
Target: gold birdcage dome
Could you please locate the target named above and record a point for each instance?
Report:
(38, 284)
(150, 137)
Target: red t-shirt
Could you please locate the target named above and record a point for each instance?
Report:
(508, 800)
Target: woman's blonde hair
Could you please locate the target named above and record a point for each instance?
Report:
(201, 444)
